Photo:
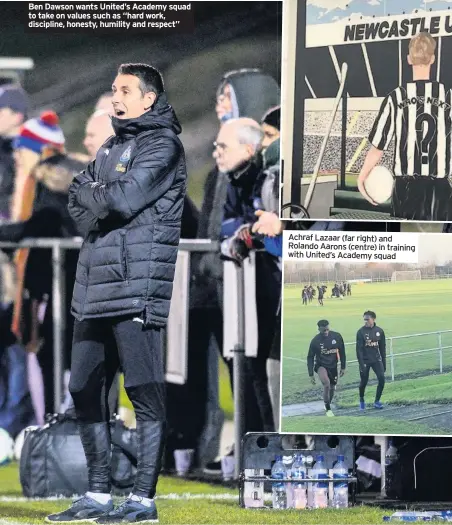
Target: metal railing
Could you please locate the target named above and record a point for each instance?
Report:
(392, 341)
(59, 247)
(299, 278)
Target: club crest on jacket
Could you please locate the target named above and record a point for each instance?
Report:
(125, 157)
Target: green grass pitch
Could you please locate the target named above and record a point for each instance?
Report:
(403, 308)
(183, 502)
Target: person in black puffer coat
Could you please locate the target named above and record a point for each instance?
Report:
(129, 201)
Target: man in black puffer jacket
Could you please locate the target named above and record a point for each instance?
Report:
(129, 201)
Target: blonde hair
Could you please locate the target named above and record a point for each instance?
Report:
(421, 49)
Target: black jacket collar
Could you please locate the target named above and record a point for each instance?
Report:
(162, 115)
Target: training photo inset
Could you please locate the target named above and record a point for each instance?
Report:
(371, 136)
(367, 346)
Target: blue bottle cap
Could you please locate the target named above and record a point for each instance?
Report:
(341, 458)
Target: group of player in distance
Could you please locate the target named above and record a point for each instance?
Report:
(339, 290)
(327, 349)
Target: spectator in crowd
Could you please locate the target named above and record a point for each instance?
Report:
(246, 93)
(42, 162)
(238, 154)
(14, 106)
(241, 93)
(271, 123)
(104, 103)
(98, 130)
(266, 200)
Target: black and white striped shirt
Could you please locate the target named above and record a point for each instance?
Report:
(419, 117)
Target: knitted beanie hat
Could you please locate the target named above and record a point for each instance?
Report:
(37, 133)
(272, 117)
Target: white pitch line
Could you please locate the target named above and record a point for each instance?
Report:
(174, 497)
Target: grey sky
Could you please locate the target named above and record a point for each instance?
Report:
(435, 248)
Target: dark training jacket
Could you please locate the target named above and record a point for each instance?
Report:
(371, 345)
(326, 351)
(6, 176)
(130, 201)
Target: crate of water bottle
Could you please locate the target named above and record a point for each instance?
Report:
(287, 472)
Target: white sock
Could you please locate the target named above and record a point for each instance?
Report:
(103, 499)
(147, 502)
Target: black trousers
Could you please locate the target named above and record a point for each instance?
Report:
(378, 368)
(422, 198)
(100, 347)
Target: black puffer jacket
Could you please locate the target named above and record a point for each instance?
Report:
(6, 176)
(131, 200)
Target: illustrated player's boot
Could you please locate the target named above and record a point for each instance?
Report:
(378, 404)
(329, 413)
(131, 511)
(83, 509)
(362, 404)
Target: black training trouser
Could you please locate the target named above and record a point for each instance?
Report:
(100, 346)
(364, 371)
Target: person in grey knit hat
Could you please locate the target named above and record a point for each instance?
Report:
(14, 106)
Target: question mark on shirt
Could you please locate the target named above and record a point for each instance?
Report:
(425, 130)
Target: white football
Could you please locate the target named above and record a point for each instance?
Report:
(6, 447)
(379, 184)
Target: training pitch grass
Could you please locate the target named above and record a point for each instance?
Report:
(182, 502)
(403, 308)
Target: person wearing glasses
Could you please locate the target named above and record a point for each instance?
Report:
(371, 354)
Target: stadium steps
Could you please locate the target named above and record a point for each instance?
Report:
(348, 214)
(354, 200)
(350, 205)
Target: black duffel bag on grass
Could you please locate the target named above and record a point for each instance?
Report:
(52, 461)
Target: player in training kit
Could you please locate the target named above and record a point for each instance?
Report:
(371, 354)
(325, 351)
(419, 117)
(304, 295)
(320, 296)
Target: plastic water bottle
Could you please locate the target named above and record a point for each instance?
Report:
(391, 459)
(278, 489)
(309, 463)
(288, 461)
(340, 489)
(320, 490)
(300, 499)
